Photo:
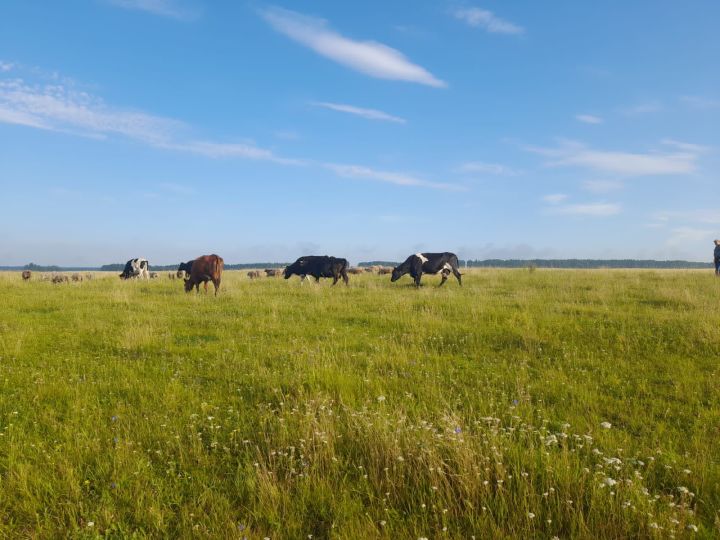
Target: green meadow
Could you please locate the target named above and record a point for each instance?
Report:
(568, 404)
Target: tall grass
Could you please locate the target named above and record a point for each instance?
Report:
(373, 411)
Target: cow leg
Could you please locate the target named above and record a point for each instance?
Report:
(458, 275)
(216, 282)
(444, 278)
(346, 279)
(335, 278)
(417, 280)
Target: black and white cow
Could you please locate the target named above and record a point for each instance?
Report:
(319, 266)
(184, 269)
(136, 268)
(428, 263)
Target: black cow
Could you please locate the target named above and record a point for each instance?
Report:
(428, 263)
(136, 268)
(184, 268)
(319, 266)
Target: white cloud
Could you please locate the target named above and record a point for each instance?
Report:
(684, 236)
(599, 209)
(5, 66)
(588, 119)
(646, 107)
(573, 154)
(59, 108)
(700, 102)
(400, 179)
(707, 216)
(555, 198)
(487, 168)
(602, 186)
(685, 146)
(165, 8)
(368, 57)
(370, 114)
(482, 18)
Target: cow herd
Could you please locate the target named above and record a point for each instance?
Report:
(209, 268)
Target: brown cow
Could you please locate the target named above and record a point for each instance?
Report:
(254, 274)
(60, 278)
(26, 275)
(273, 272)
(171, 275)
(89, 276)
(384, 270)
(356, 271)
(76, 277)
(205, 268)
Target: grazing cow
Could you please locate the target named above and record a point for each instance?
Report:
(136, 268)
(254, 274)
(356, 271)
(171, 275)
(383, 270)
(205, 268)
(26, 275)
(154, 275)
(369, 269)
(60, 278)
(184, 269)
(273, 272)
(76, 277)
(319, 266)
(89, 276)
(428, 263)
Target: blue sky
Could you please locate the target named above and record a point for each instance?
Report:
(370, 130)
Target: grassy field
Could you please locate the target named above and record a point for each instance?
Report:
(569, 404)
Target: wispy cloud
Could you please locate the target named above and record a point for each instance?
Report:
(602, 186)
(700, 102)
(682, 236)
(370, 114)
(574, 154)
(685, 146)
(482, 18)
(588, 119)
(599, 209)
(5, 66)
(482, 167)
(707, 216)
(164, 8)
(554, 198)
(368, 57)
(397, 178)
(646, 107)
(60, 108)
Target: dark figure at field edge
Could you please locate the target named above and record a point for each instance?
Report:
(319, 266)
(428, 263)
(717, 257)
(205, 268)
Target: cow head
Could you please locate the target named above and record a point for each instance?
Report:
(287, 272)
(396, 274)
(188, 285)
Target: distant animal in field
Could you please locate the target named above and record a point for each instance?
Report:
(356, 271)
(60, 278)
(154, 275)
(254, 274)
(383, 270)
(184, 269)
(76, 277)
(136, 268)
(89, 276)
(273, 272)
(319, 266)
(26, 275)
(205, 268)
(369, 269)
(171, 275)
(45, 277)
(428, 263)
